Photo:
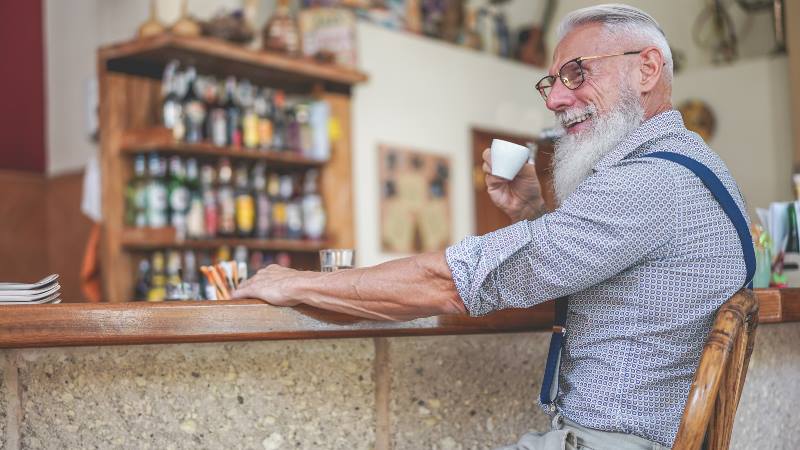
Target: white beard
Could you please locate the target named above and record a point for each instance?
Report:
(576, 154)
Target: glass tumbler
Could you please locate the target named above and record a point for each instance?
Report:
(333, 259)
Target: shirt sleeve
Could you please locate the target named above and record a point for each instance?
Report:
(614, 219)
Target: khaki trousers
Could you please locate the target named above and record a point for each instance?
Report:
(568, 435)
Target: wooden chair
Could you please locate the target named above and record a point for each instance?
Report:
(717, 385)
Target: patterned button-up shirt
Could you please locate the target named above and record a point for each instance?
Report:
(645, 254)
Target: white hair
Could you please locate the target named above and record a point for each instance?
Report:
(622, 21)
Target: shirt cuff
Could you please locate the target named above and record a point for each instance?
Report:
(474, 260)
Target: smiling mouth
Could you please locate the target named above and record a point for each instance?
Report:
(570, 119)
(576, 120)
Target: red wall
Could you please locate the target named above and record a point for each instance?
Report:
(22, 103)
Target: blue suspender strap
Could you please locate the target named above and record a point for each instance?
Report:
(725, 201)
(547, 394)
(723, 197)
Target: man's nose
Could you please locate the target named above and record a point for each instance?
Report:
(560, 97)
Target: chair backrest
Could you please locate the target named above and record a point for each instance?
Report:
(717, 385)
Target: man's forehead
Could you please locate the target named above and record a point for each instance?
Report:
(583, 40)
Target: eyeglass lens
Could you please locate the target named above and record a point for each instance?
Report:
(571, 75)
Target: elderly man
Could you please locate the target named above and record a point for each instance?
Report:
(646, 244)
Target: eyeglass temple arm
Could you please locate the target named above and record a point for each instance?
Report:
(587, 58)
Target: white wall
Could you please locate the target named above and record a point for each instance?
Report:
(751, 102)
(426, 95)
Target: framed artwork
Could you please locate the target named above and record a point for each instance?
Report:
(415, 200)
(329, 33)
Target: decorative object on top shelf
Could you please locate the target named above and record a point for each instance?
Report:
(186, 25)
(230, 26)
(698, 117)
(329, 35)
(415, 200)
(532, 48)
(494, 32)
(280, 33)
(152, 25)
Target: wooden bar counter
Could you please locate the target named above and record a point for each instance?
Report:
(72, 324)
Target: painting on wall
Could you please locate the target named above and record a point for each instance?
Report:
(415, 200)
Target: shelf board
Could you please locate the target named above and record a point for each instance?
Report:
(157, 238)
(158, 139)
(148, 57)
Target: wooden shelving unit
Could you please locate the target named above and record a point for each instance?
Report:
(155, 238)
(161, 140)
(129, 76)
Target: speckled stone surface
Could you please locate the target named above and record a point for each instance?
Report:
(466, 392)
(767, 418)
(258, 395)
(3, 400)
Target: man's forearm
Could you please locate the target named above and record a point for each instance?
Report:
(403, 289)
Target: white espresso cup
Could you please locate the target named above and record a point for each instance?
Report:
(508, 158)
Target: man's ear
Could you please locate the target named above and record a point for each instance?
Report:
(651, 68)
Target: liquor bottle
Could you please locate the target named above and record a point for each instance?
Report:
(319, 118)
(226, 203)
(280, 32)
(191, 279)
(240, 254)
(278, 206)
(256, 263)
(136, 194)
(279, 121)
(314, 217)
(210, 207)
(142, 286)
(292, 127)
(215, 127)
(263, 204)
(233, 113)
(171, 109)
(158, 280)
(223, 254)
(178, 195)
(174, 269)
(246, 96)
(195, 223)
(194, 109)
(283, 259)
(189, 267)
(245, 203)
(294, 207)
(263, 109)
(305, 135)
(157, 207)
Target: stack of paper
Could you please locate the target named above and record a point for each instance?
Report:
(46, 290)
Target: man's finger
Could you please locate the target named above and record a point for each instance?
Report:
(487, 155)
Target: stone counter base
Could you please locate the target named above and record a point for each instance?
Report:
(444, 393)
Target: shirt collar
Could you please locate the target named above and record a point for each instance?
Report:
(658, 126)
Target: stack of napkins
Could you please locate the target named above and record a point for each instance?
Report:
(46, 290)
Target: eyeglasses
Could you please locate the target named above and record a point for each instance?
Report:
(571, 73)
